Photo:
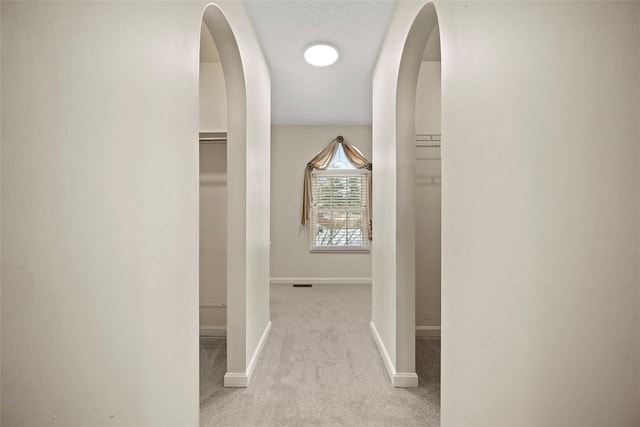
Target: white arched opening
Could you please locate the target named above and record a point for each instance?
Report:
(213, 216)
(393, 255)
(247, 167)
(520, 212)
(428, 208)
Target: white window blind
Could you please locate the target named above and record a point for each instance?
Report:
(339, 210)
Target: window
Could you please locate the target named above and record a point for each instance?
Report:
(339, 209)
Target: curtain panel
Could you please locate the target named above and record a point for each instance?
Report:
(321, 161)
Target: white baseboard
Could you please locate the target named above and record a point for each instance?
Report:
(383, 351)
(398, 379)
(236, 379)
(321, 280)
(258, 352)
(428, 331)
(242, 379)
(405, 380)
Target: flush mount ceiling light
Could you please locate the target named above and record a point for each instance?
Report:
(321, 54)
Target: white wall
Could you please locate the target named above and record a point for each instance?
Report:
(292, 148)
(100, 210)
(213, 224)
(257, 185)
(428, 249)
(540, 273)
(213, 99)
(383, 310)
(545, 263)
(428, 204)
(213, 186)
(393, 130)
(428, 97)
(0, 215)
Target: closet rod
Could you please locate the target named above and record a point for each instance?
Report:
(213, 138)
(213, 141)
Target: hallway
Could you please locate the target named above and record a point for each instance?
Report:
(320, 366)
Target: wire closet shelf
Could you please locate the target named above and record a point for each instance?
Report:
(213, 321)
(428, 158)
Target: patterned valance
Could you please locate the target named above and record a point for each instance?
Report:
(322, 161)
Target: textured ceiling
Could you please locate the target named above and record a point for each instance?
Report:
(302, 93)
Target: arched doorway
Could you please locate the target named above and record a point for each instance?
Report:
(394, 199)
(428, 226)
(218, 27)
(213, 217)
(247, 189)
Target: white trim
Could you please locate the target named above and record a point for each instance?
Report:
(340, 249)
(398, 379)
(429, 331)
(362, 209)
(235, 379)
(341, 172)
(405, 380)
(242, 379)
(383, 351)
(321, 280)
(258, 352)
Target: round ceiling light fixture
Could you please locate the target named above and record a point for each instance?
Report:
(321, 54)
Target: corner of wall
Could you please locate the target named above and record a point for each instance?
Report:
(398, 379)
(1, 5)
(249, 123)
(383, 351)
(638, 35)
(243, 379)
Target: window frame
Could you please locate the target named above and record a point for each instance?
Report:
(366, 247)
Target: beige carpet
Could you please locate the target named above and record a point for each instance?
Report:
(320, 367)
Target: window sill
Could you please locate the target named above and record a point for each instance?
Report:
(340, 249)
